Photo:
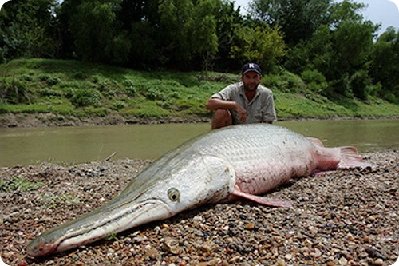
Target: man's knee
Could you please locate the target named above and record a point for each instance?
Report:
(221, 118)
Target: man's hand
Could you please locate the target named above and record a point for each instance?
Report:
(242, 113)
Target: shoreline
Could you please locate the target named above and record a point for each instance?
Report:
(29, 120)
(342, 217)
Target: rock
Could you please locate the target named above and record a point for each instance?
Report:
(322, 230)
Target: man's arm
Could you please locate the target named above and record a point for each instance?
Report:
(216, 103)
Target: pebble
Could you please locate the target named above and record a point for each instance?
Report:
(378, 262)
(338, 218)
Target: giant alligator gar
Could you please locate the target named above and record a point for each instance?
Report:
(234, 162)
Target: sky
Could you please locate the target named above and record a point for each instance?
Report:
(2, 2)
(384, 12)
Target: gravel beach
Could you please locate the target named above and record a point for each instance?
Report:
(345, 217)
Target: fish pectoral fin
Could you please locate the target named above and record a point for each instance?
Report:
(263, 200)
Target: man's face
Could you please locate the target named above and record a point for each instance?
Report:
(251, 80)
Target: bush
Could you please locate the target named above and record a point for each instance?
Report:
(85, 97)
(314, 80)
(118, 105)
(130, 88)
(14, 91)
(153, 94)
(359, 83)
(50, 80)
(285, 82)
(48, 92)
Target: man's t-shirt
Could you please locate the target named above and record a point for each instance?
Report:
(259, 109)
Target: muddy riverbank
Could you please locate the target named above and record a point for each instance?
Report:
(346, 217)
(53, 120)
(28, 120)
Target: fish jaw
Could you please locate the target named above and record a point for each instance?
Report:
(200, 180)
(90, 228)
(151, 210)
(39, 247)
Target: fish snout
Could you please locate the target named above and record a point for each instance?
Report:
(39, 247)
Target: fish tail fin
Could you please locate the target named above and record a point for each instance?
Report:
(345, 157)
(350, 158)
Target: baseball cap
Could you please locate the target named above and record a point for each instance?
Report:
(251, 67)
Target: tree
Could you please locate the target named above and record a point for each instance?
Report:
(384, 64)
(297, 19)
(340, 50)
(259, 44)
(204, 41)
(175, 24)
(228, 21)
(187, 31)
(65, 13)
(28, 28)
(94, 28)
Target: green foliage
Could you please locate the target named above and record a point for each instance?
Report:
(297, 19)
(314, 80)
(130, 88)
(204, 42)
(352, 42)
(153, 93)
(112, 236)
(19, 184)
(384, 67)
(84, 97)
(285, 82)
(120, 48)
(143, 51)
(28, 29)
(359, 82)
(14, 91)
(49, 80)
(176, 20)
(174, 94)
(92, 26)
(311, 38)
(259, 44)
(228, 21)
(343, 11)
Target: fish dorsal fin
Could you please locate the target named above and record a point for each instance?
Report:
(315, 141)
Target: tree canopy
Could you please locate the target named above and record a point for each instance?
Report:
(325, 42)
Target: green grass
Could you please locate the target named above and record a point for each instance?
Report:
(68, 87)
(19, 184)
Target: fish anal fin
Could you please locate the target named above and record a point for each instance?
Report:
(262, 200)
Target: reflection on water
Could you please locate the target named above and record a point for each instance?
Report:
(81, 144)
(366, 135)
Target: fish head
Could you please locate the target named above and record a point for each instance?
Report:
(159, 192)
(40, 247)
(196, 181)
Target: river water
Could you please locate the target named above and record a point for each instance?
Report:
(22, 146)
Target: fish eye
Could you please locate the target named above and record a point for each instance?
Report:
(174, 194)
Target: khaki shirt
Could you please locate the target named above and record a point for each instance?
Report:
(260, 109)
